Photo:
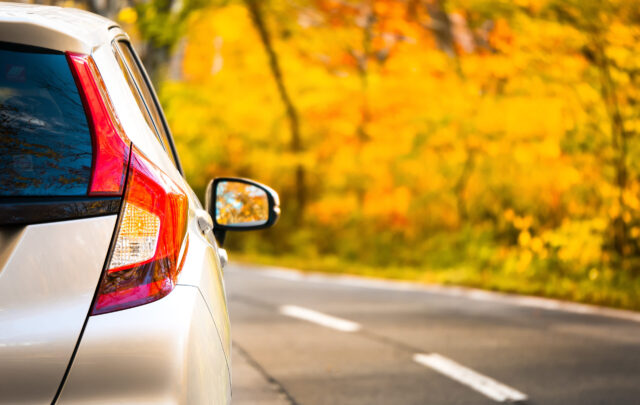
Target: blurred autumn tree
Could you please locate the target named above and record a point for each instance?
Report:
(485, 142)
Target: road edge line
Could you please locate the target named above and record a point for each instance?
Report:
(527, 301)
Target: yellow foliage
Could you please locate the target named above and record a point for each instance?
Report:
(334, 208)
(128, 15)
(524, 238)
(508, 131)
(389, 205)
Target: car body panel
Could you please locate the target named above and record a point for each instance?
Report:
(202, 268)
(171, 355)
(52, 27)
(47, 282)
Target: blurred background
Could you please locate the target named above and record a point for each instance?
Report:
(475, 142)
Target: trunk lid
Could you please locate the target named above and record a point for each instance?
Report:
(48, 276)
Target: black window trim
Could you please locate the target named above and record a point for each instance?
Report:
(18, 47)
(154, 96)
(36, 210)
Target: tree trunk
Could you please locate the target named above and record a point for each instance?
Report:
(460, 187)
(155, 60)
(618, 141)
(441, 27)
(106, 8)
(363, 73)
(257, 17)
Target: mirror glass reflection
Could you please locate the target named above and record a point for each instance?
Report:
(241, 205)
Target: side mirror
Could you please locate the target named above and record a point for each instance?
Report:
(237, 204)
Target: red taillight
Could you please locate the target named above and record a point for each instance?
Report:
(150, 242)
(110, 144)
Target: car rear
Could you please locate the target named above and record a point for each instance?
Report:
(109, 292)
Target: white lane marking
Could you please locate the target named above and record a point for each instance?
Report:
(319, 318)
(481, 383)
(451, 291)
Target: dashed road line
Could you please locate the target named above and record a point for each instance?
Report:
(447, 367)
(481, 383)
(319, 318)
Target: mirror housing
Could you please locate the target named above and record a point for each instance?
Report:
(237, 204)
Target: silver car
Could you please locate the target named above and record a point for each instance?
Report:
(111, 286)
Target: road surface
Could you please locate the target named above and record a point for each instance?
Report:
(332, 340)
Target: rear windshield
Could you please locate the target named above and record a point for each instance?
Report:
(45, 143)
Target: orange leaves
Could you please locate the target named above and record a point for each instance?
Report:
(389, 205)
(334, 209)
(501, 37)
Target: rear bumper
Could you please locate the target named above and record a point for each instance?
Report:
(164, 352)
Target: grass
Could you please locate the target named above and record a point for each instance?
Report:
(619, 290)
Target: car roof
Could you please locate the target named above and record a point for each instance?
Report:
(62, 29)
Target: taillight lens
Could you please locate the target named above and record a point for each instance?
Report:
(110, 144)
(150, 242)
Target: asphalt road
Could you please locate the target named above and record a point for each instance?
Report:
(326, 340)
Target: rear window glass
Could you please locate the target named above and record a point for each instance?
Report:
(45, 142)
